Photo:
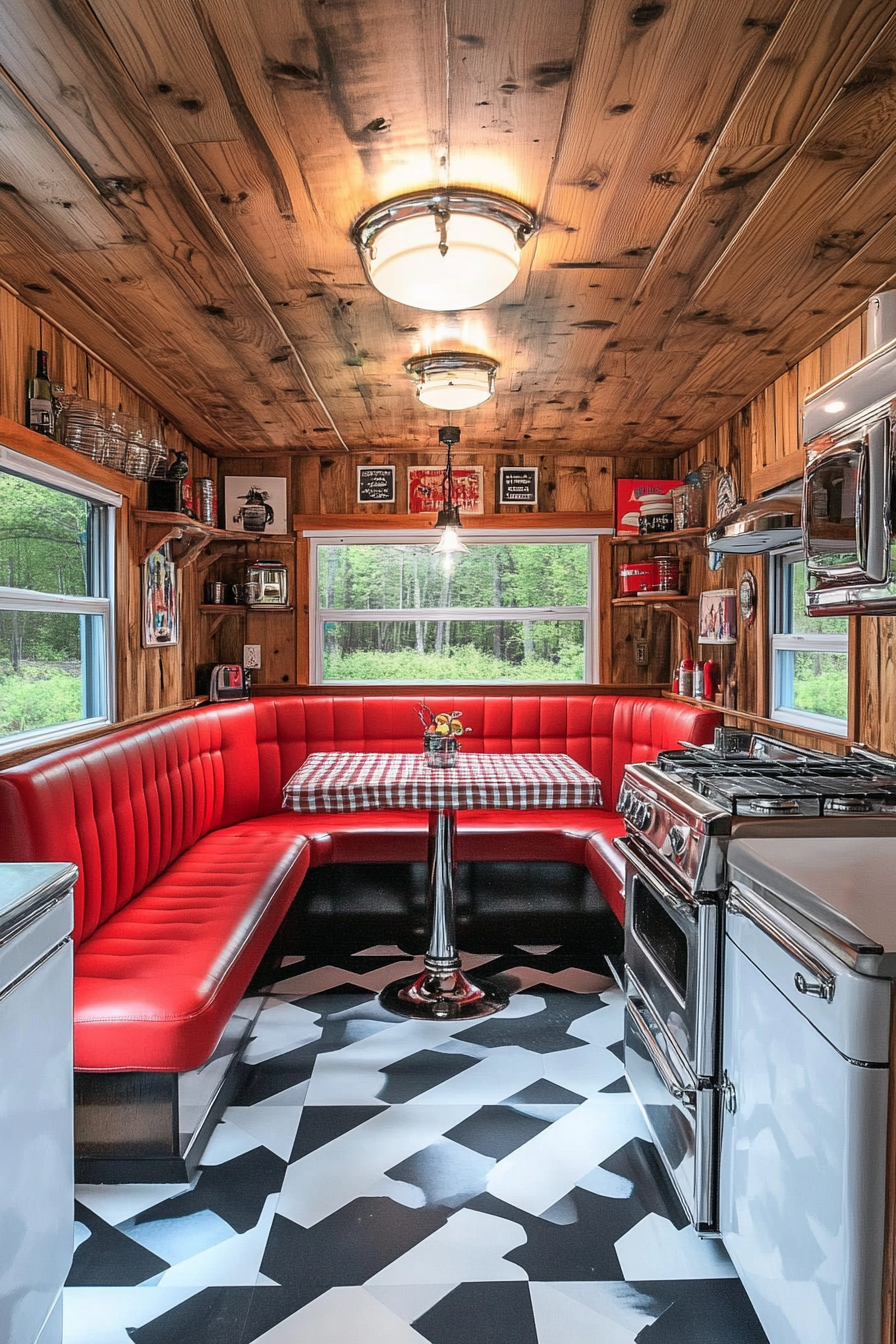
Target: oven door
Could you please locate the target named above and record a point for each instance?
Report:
(846, 511)
(672, 949)
(681, 1113)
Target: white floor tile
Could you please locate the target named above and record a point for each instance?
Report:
(351, 1166)
(117, 1203)
(105, 1315)
(342, 1316)
(272, 1126)
(231, 1264)
(654, 1249)
(282, 1027)
(542, 1171)
(470, 1248)
(588, 1313)
(585, 1070)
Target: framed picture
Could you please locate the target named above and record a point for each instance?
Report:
(718, 617)
(376, 485)
(160, 624)
(255, 504)
(519, 485)
(425, 489)
(629, 494)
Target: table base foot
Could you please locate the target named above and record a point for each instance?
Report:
(447, 998)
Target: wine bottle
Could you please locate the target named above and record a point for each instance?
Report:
(39, 399)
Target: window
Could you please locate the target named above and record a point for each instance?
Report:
(507, 610)
(809, 656)
(56, 566)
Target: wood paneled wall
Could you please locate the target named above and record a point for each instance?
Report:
(761, 446)
(147, 679)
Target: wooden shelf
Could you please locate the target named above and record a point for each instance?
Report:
(637, 600)
(229, 608)
(658, 538)
(199, 536)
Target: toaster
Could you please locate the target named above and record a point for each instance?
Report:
(223, 681)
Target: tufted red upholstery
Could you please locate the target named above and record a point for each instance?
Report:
(187, 862)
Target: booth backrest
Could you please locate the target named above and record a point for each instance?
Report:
(124, 806)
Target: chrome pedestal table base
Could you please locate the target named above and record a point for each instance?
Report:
(442, 993)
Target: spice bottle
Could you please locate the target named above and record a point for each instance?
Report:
(698, 681)
(686, 676)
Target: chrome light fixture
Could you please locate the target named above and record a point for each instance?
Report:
(445, 249)
(453, 381)
(449, 514)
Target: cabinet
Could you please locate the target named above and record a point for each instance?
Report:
(36, 1101)
(643, 637)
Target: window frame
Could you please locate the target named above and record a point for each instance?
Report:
(785, 640)
(587, 614)
(99, 688)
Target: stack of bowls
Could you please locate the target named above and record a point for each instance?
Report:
(655, 514)
(81, 426)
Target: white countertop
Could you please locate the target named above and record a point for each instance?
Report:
(844, 885)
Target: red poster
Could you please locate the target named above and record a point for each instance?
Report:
(628, 500)
(425, 489)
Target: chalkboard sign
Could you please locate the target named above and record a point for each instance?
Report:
(376, 485)
(519, 485)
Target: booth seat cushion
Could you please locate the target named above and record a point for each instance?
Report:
(156, 984)
(556, 835)
(605, 863)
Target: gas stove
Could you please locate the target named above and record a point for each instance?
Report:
(684, 807)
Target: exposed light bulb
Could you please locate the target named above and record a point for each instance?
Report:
(450, 544)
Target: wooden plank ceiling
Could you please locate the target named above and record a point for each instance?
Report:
(714, 184)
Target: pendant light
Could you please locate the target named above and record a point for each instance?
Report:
(453, 381)
(445, 249)
(449, 514)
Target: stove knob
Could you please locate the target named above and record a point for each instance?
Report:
(645, 816)
(678, 840)
(624, 803)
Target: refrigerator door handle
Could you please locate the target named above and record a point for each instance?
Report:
(763, 919)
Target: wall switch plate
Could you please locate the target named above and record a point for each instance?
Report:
(252, 655)
(641, 655)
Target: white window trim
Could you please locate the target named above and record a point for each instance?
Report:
(23, 599)
(416, 536)
(800, 718)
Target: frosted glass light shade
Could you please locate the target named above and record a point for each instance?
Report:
(443, 251)
(452, 381)
(450, 544)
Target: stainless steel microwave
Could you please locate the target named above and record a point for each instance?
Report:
(847, 522)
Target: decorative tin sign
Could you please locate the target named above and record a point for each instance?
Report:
(519, 485)
(718, 617)
(160, 626)
(376, 485)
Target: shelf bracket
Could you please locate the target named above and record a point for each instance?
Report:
(206, 561)
(216, 624)
(158, 536)
(192, 552)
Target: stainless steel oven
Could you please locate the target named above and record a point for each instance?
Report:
(671, 1034)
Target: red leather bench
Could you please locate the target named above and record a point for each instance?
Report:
(188, 864)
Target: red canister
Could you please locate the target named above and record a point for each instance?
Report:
(640, 574)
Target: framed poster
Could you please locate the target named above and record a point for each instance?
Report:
(519, 485)
(718, 617)
(376, 485)
(160, 625)
(425, 489)
(255, 504)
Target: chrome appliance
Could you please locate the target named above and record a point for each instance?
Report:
(810, 957)
(848, 495)
(681, 813)
(271, 580)
(223, 681)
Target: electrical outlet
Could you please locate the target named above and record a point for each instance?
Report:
(641, 658)
(252, 655)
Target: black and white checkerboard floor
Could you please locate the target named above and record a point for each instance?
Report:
(401, 1182)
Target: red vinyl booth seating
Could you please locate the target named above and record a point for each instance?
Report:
(187, 862)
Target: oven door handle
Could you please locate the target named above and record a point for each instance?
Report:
(678, 903)
(672, 1083)
(824, 989)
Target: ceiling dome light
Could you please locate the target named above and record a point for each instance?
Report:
(443, 250)
(453, 381)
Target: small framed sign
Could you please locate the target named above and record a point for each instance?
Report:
(519, 485)
(376, 485)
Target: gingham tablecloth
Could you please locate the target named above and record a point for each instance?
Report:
(351, 781)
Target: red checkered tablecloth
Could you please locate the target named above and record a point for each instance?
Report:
(351, 781)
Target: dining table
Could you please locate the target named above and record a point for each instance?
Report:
(354, 781)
